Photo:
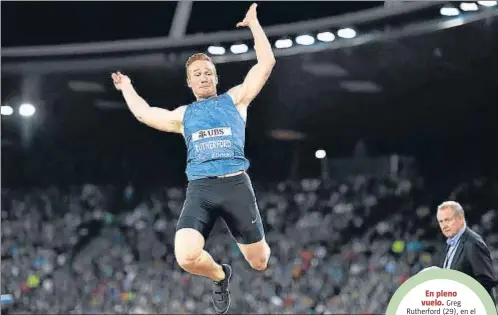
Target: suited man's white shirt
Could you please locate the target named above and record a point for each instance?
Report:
(453, 243)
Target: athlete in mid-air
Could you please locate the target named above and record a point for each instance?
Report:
(214, 131)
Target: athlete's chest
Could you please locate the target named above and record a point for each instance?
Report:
(213, 115)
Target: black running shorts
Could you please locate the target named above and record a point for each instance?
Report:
(229, 198)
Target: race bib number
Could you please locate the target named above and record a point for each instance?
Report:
(212, 144)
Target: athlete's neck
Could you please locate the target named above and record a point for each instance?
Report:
(206, 98)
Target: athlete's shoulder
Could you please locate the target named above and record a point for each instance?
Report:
(231, 94)
(181, 109)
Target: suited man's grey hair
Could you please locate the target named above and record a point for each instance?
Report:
(455, 206)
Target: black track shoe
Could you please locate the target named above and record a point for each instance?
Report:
(221, 293)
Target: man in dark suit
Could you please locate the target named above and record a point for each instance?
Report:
(466, 251)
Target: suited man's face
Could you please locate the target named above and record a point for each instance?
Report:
(449, 221)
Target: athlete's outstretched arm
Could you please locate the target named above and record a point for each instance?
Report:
(244, 93)
(155, 117)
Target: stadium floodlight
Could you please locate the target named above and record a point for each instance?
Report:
(239, 48)
(325, 36)
(216, 50)
(346, 33)
(305, 40)
(27, 110)
(320, 154)
(449, 11)
(7, 110)
(488, 3)
(283, 43)
(468, 6)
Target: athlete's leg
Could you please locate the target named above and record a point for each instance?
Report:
(243, 219)
(194, 225)
(191, 256)
(257, 254)
(199, 214)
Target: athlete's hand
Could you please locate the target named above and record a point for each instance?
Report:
(120, 80)
(251, 17)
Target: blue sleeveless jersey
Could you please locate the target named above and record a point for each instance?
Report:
(214, 133)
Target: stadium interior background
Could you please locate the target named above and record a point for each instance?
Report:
(353, 142)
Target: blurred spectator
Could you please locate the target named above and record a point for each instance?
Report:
(344, 248)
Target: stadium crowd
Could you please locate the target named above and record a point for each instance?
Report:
(337, 247)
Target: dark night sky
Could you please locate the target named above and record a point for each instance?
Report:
(414, 80)
(39, 23)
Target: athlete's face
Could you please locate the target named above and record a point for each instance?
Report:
(450, 221)
(202, 78)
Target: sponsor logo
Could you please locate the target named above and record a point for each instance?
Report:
(209, 133)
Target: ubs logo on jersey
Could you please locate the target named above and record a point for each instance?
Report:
(210, 133)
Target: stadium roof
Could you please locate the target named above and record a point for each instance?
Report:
(382, 86)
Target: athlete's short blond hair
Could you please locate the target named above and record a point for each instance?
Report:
(194, 58)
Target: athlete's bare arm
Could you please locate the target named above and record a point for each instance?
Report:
(245, 93)
(155, 117)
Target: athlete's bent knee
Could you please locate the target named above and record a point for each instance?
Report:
(188, 259)
(260, 261)
(259, 264)
(188, 248)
